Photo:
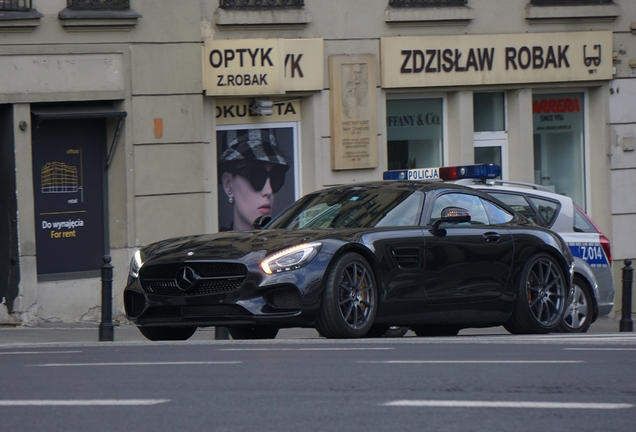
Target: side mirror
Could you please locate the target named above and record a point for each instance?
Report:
(452, 215)
(261, 221)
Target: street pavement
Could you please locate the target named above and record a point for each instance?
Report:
(125, 332)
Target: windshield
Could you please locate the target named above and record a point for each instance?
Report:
(353, 207)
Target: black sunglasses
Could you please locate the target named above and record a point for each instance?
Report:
(258, 175)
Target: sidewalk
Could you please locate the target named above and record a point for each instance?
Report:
(89, 332)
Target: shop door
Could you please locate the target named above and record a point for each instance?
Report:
(68, 188)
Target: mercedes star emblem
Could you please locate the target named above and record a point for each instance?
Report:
(186, 279)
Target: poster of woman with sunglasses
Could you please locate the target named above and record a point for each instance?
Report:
(256, 174)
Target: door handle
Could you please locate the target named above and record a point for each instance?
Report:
(491, 237)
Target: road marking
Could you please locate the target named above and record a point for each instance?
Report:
(599, 349)
(305, 349)
(505, 404)
(473, 361)
(136, 364)
(39, 352)
(81, 402)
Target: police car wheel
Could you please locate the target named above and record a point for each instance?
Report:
(542, 297)
(578, 312)
(395, 331)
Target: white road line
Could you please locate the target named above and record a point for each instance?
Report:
(599, 349)
(305, 349)
(505, 404)
(473, 361)
(136, 364)
(39, 352)
(83, 402)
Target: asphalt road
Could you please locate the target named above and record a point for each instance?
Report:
(473, 382)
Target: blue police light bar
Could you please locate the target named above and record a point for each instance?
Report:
(478, 171)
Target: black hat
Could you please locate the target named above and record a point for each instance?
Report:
(256, 145)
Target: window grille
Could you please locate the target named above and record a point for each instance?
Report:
(97, 4)
(569, 2)
(16, 5)
(229, 4)
(427, 3)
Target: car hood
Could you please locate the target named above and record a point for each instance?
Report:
(231, 245)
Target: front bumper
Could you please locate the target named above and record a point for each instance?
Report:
(284, 300)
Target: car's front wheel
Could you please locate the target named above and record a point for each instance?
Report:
(542, 297)
(253, 332)
(163, 333)
(578, 313)
(349, 300)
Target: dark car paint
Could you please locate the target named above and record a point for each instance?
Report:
(421, 277)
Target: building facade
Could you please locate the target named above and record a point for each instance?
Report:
(116, 116)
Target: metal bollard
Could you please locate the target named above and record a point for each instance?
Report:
(626, 323)
(106, 329)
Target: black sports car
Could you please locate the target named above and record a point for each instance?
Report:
(352, 261)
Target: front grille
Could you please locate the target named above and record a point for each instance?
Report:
(213, 311)
(223, 277)
(206, 287)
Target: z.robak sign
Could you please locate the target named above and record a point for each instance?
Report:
(262, 66)
(495, 59)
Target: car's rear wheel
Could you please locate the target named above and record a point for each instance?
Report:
(349, 300)
(253, 332)
(578, 313)
(435, 330)
(163, 333)
(542, 297)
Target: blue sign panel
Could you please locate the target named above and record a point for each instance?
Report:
(591, 253)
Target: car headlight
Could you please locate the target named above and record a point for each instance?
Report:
(135, 264)
(291, 259)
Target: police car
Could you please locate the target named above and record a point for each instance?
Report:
(592, 291)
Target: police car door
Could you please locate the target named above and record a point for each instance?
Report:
(468, 261)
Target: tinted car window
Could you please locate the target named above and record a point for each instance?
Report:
(546, 208)
(472, 203)
(496, 214)
(518, 203)
(353, 208)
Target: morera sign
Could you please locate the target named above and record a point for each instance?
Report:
(430, 61)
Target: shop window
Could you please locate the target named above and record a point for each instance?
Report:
(490, 138)
(559, 161)
(414, 133)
